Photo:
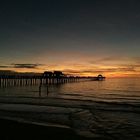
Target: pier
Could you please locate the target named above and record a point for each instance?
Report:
(47, 78)
(98, 78)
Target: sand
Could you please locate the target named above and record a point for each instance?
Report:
(36, 118)
(13, 130)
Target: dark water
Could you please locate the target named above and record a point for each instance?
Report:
(118, 117)
(125, 89)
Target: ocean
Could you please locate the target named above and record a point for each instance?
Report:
(107, 109)
(112, 89)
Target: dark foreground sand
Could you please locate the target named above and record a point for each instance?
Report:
(47, 118)
(12, 130)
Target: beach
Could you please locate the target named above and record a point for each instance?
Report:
(14, 130)
(67, 119)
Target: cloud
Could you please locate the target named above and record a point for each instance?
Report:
(7, 71)
(131, 67)
(126, 69)
(109, 59)
(27, 66)
(90, 71)
(4, 66)
(121, 68)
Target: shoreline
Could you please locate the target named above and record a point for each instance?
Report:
(77, 119)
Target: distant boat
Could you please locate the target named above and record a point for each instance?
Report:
(98, 78)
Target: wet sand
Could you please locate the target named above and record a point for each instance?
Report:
(13, 130)
(36, 118)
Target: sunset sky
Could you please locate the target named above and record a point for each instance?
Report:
(79, 37)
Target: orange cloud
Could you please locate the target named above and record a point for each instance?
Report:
(112, 66)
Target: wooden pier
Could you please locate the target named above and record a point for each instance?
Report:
(98, 78)
(46, 78)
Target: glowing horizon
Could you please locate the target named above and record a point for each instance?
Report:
(109, 67)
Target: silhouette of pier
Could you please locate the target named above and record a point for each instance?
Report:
(56, 77)
(98, 78)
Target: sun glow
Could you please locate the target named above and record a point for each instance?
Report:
(80, 65)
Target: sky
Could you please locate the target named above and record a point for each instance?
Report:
(79, 37)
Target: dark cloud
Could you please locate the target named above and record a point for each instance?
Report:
(4, 66)
(8, 71)
(27, 66)
(107, 59)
